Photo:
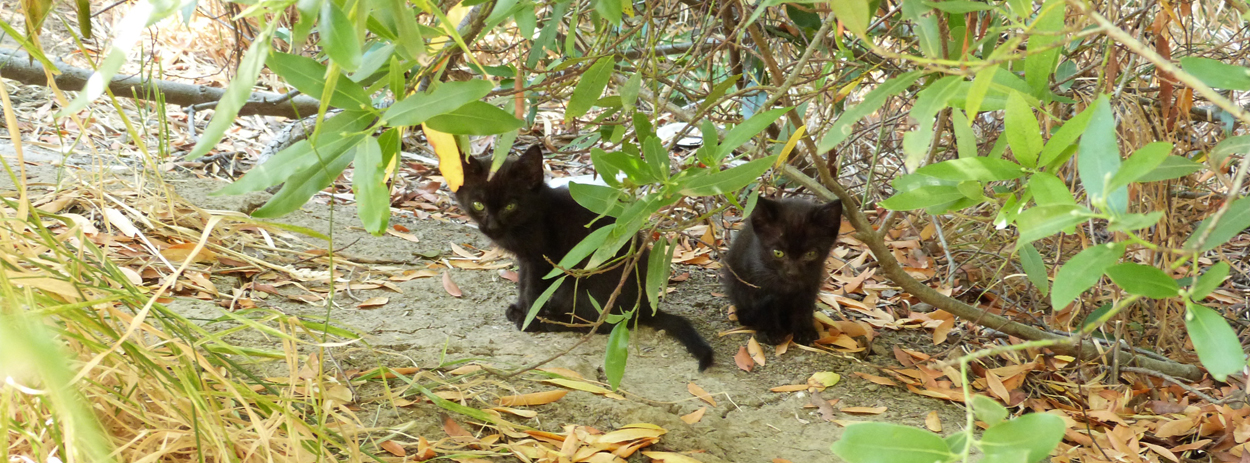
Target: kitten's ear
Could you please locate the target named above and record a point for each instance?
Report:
(765, 213)
(472, 166)
(829, 215)
(530, 166)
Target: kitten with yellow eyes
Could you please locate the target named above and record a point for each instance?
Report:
(776, 264)
(539, 224)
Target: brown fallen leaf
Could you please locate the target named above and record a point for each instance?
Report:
(790, 388)
(457, 432)
(373, 303)
(743, 359)
(877, 379)
(450, 286)
(394, 448)
(932, 422)
(757, 352)
(826, 410)
(864, 410)
(781, 460)
(509, 275)
(413, 274)
(425, 451)
(669, 457)
(784, 346)
(695, 416)
(533, 398)
(700, 393)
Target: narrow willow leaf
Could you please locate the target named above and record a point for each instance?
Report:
(1036, 434)
(418, 108)
(580, 251)
(1082, 272)
(589, 87)
(1100, 158)
(870, 442)
(1133, 222)
(338, 37)
(928, 102)
(1232, 145)
(979, 169)
(1035, 268)
(980, 87)
(873, 101)
(629, 92)
(617, 353)
(1042, 221)
(338, 134)
(475, 118)
(611, 11)
(541, 301)
(1048, 190)
(727, 181)
(965, 138)
(922, 197)
(854, 14)
(369, 184)
(1217, 73)
(1233, 222)
(1141, 162)
(1209, 281)
(743, 132)
(656, 157)
(958, 6)
(1053, 154)
(658, 270)
(1216, 342)
(1024, 135)
(1143, 280)
(309, 77)
(232, 100)
(599, 199)
(303, 184)
(1040, 61)
(1171, 167)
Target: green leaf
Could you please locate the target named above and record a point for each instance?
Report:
(338, 37)
(1082, 272)
(232, 100)
(1024, 135)
(1063, 138)
(589, 87)
(1049, 190)
(611, 11)
(1130, 221)
(958, 6)
(890, 443)
(1143, 280)
(1216, 73)
(719, 91)
(1141, 162)
(1209, 281)
(581, 251)
(988, 410)
(957, 441)
(1042, 221)
(980, 87)
(309, 77)
(658, 270)
(625, 230)
(502, 146)
(1171, 167)
(1216, 342)
(599, 199)
(928, 102)
(656, 157)
(369, 182)
(873, 101)
(542, 299)
(854, 14)
(619, 161)
(475, 118)
(338, 134)
(1035, 268)
(1232, 145)
(979, 169)
(1233, 222)
(727, 181)
(1095, 317)
(1039, 62)
(965, 138)
(743, 132)
(1100, 158)
(307, 182)
(629, 92)
(1036, 433)
(448, 97)
(922, 197)
(618, 347)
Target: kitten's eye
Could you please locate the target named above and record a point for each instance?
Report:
(478, 206)
(510, 207)
(778, 254)
(811, 255)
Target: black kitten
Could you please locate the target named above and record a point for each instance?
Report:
(776, 264)
(523, 215)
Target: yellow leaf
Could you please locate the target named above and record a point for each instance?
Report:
(824, 379)
(697, 391)
(670, 457)
(932, 422)
(533, 398)
(757, 353)
(449, 162)
(584, 386)
(695, 416)
(794, 140)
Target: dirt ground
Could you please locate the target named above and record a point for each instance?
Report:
(424, 325)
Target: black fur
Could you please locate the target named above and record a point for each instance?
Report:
(535, 222)
(776, 294)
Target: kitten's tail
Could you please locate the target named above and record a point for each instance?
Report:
(681, 329)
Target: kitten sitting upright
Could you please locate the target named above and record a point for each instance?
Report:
(524, 216)
(776, 264)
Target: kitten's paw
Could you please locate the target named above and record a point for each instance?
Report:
(516, 315)
(806, 335)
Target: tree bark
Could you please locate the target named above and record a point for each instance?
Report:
(18, 66)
